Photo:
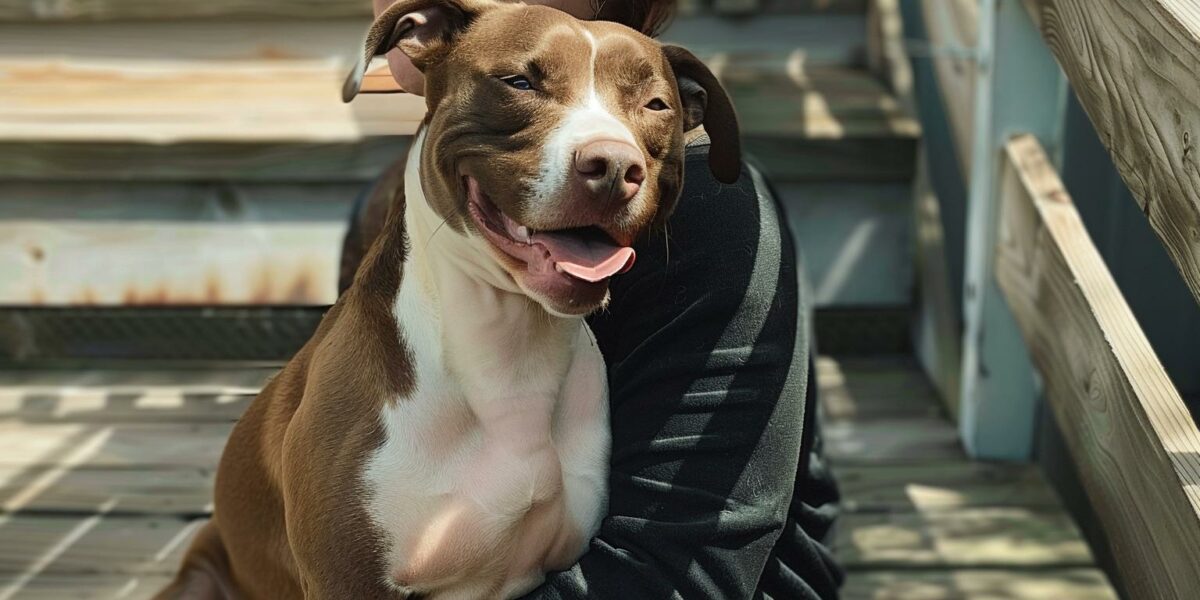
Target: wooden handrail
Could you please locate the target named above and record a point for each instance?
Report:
(1130, 435)
(1134, 66)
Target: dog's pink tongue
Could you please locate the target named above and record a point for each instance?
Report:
(588, 257)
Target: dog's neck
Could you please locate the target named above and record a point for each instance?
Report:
(492, 334)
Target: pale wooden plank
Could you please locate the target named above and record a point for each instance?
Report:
(112, 445)
(862, 389)
(264, 101)
(113, 10)
(135, 490)
(357, 162)
(891, 441)
(56, 586)
(984, 537)
(943, 486)
(938, 326)
(93, 544)
(232, 379)
(155, 263)
(104, 407)
(1133, 66)
(1134, 443)
(953, 30)
(968, 584)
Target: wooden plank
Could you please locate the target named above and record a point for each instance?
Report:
(157, 263)
(1133, 66)
(943, 486)
(969, 584)
(114, 396)
(938, 322)
(128, 10)
(357, 162)
(953, 33)
(1132, 438)
(891, 441)
(862, 389)
(54, 586)
(99, 544)
(80, 490)
(262, 101)
(986, 537)
(123, 445)
(159, 243)
(234, 379)
(99, 406)
(1018, 87)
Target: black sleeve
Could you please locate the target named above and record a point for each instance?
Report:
(707, 362)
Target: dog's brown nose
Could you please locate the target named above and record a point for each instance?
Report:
(612, 171)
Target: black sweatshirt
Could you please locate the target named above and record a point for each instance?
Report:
(716, 488)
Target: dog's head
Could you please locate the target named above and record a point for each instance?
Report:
(550, 142)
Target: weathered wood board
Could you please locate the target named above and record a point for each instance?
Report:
(1134, 67)
(96, 509)
(138, 490)
(119, 445)
(939, 486)
(1131, 437)
(891, 441)
(98, 586)
(868, 388)
(961, 538)
(158, 10)
(99, 543)
(970, 584)
(953, 31)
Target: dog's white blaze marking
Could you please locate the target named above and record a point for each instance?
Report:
(588, 120)
(480, 355)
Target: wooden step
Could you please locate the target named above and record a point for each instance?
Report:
(156, 10)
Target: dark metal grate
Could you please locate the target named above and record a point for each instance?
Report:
(867, 330)
(52, 335)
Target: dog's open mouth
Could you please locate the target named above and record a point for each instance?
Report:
(583, 253)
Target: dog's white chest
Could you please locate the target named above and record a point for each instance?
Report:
(480, 491)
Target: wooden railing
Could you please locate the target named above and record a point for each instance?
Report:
(1134, 67)
(1135, 445)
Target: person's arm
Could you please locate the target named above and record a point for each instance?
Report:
(707, 359)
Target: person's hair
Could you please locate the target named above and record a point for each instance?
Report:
(647, 16)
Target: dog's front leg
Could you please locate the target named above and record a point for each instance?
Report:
(337, 549)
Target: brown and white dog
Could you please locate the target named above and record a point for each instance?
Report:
(445, 431)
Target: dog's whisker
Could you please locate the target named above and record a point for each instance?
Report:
(432, 235)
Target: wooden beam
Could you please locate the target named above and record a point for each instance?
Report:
(953, 32)
(1136, 446)
(128, 10)
(1133, 66)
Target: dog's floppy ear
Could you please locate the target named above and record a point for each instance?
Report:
(705, 102)
(422, 29)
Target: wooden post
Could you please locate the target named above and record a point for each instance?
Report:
(1018, 87)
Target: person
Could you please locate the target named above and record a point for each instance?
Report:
(717, 485)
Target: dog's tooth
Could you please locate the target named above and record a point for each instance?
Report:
(558, 267)
(523, 233)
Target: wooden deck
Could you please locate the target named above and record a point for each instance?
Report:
(105, 475)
